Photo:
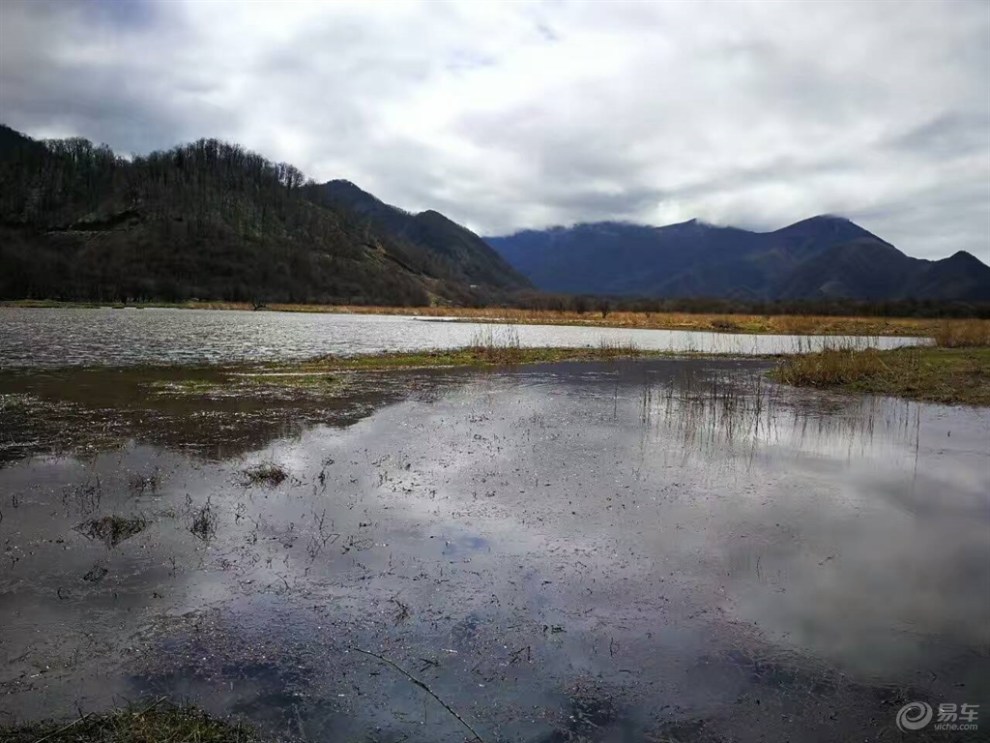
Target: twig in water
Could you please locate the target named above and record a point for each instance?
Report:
(425, 688)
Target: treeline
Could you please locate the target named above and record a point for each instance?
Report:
(582, 304)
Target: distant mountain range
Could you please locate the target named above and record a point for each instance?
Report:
(210, 220)
(825, 257)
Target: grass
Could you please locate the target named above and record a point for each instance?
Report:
(951, 375)
(154, 724)
(473, 356)
(113, 529)
(711, 322)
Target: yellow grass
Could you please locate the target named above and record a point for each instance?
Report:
(963, 334)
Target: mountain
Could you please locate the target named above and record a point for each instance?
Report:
(211, 220)
(824, 257)
(461, 252)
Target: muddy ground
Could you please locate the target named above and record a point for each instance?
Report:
(663, 550)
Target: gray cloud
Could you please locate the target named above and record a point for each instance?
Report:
(506, 116)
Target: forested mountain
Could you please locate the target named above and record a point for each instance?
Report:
(823, 257)
(206, 220)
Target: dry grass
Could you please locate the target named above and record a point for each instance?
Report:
(963, 334)
(945, 375)
(154, 724)
(832, 367)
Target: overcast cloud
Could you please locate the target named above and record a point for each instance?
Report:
(513, 115)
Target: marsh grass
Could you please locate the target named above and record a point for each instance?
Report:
(945, 375)
(832, 367)
(497, 345)
(613, 349)
(489, 346)
(112, 529)
(154, 724)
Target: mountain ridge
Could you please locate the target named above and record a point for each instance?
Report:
(695, 259)
(467, 255)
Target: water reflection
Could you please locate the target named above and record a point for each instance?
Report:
(665, 549)
(210, 412)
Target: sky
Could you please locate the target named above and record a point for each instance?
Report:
(515, 115)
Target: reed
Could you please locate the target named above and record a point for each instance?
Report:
(963, 334)
(832, 367)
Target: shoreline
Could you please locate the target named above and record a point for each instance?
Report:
(741, 324)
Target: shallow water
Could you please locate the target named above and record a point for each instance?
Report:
(631, 551)
(59, 337)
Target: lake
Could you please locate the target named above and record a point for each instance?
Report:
(59, 337)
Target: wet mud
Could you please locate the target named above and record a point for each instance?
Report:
(654, 550)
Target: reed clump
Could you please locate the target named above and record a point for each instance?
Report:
(614, 349)
(497, 345)
(963, 334)
(832, 367)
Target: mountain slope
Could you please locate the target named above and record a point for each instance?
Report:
(207, 220)
(817, 258)
(456, 249)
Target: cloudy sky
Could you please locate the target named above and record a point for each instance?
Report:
(529, 114)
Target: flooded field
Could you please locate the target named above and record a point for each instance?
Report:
(59, 337)
(653, 550)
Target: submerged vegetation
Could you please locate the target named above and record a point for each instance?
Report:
(113, 529)
(267, 473)
(158, 722)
